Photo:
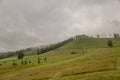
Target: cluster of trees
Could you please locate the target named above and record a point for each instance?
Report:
(7, 54)
(45, 49)
(52, 47)
(27, 62)
(20, 54)
(83, 36)
(22, 62)
(110, 42)
(116, 35)
(39, 60)
(13, 53)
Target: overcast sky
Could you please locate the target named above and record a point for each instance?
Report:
(28, 23)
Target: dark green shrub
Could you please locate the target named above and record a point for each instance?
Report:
(110, 43)
(20, 54)
(45, 59)
(29, 61)
(25, 62)
(14, 64)
(22, 62)
(73, 53)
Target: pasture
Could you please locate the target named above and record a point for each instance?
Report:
(100, 62)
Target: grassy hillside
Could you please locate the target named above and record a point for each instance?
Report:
(100, 62)
(91, 43)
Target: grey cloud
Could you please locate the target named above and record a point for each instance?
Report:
(27, 23)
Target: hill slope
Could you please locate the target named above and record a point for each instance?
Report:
(91, 43)
(98, 63)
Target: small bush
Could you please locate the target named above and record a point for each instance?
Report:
(25, 62)
(20, 54)
(29, 62)
(14, 64)
(110, 43)
(73, 53)
(22, 62)
(45, 59)
(38, 61)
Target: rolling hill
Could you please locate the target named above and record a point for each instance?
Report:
(69, 62)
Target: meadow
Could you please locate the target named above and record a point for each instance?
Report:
(69, 62)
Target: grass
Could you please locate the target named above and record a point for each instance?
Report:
(98, 63)
(91, 43)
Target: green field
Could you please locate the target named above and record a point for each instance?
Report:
(69, 62)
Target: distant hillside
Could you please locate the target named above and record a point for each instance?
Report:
(36, 50)
(91, 43)
(68, 62)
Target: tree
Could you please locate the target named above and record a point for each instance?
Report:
(38, 51)
(115, 35)
(29, 61)
(118, 35)
(14, 64)
(45, 59)
(39, 60)
(110, 43)
(20, 54)
(22, 62)
(98, 36)
(25, 62)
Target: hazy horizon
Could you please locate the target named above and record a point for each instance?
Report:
(28, 23)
